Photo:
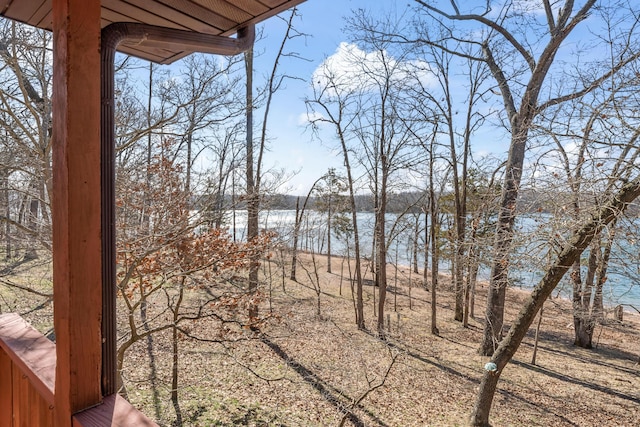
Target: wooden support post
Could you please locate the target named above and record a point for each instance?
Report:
(76, 206)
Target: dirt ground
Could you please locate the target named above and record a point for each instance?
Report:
(309, 370)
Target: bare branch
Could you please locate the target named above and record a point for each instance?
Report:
(593, 85)
(549, 13)
(372, 387)
(503, 84)
(489, 23)
(11, 284)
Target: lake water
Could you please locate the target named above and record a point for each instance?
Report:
(529, 258)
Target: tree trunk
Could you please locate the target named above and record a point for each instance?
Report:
(32, 221)
(329, 237)
(416, 238)
(520, 121)
(584, 333)
(502, 246)
(382, 248)
(474, 282)
(435, 253)
(153, 369)
(472, 275)
(467, 299)
(434, 277)
(296, 228)
(458, 278)
(342, 273)
(296, 233)
(425, 271)
(175, 371)
(175, 401)
(459, 226)
(4, 183)
(601, 276)
(356, 238)
(582, 320)
(253, 198)
(535, 341)
(395, 281)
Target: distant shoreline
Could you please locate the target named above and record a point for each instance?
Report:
(629, 309)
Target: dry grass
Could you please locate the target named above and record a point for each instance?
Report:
(307, 370)
(26, 288)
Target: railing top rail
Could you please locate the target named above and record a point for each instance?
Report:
(31, 351)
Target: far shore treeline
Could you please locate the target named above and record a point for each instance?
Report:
(530, 201)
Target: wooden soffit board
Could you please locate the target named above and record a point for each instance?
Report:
(217, 17)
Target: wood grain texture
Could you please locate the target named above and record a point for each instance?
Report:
(114, 412)
(77, 264)
(27, 374)
(6, 391)
(31, 353)
(202, 16)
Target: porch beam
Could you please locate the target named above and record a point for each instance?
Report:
(76, 206)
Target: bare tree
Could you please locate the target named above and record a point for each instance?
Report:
(300, 212)
(204, 97)
(434, 214)
(225, 152)
(254, 160)
(329, 200)
(506, 35)
(579, 239)
(457, 134)
(383, 143)
(595, 146)
(603, 135)
(334, 102)
(25, 120)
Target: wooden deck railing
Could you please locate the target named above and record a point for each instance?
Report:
(27, 374)
(27, 380)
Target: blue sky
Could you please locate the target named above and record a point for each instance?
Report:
(292, 146)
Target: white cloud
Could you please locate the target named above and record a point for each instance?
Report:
(351, 68)
(529, 7)
(308, 117)
(520, 7)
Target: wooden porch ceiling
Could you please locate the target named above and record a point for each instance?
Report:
(216, 17)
